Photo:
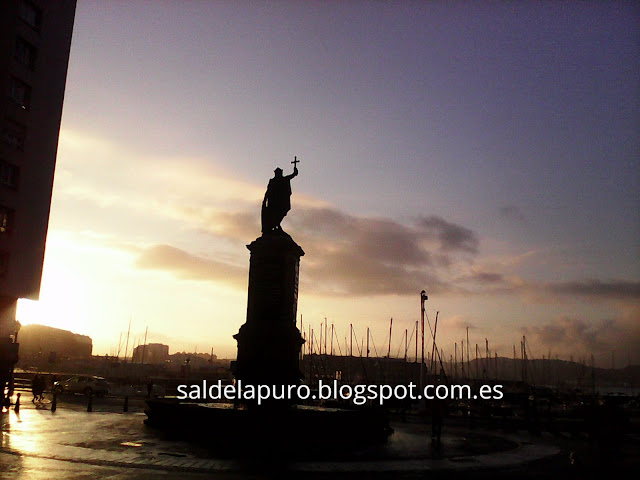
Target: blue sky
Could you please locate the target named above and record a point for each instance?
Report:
(486, 152)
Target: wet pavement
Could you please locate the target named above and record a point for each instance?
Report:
(107, 443)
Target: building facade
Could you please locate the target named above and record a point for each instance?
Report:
(151, 353)
(35, 39)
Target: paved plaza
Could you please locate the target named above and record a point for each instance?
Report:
(72, 443)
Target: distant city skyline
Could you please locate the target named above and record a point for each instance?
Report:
(486, 153)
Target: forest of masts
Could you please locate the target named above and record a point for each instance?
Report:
(466, 361)
(129, 357)
(415, 346)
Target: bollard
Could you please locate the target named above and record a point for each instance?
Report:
(90, 404)
(126, 403)
(17, 407)
(54, 402)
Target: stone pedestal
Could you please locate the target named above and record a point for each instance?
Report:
(268, 354)
(269, 342)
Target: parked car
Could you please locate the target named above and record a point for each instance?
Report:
(86, 384)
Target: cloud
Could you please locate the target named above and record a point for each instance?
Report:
(191, 267)
(569, 334)
(482, 278)
(386, 239)
(590, 289)
(487, 282)
(460, 322)
(354, 255)
(511, 212)
(615, 289)
(487, 277)
(118, 177)
(343, 273)
(240, 226)
(346, 254)
(452, 237)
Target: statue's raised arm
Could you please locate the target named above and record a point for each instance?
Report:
(295, 168)
(277, 199)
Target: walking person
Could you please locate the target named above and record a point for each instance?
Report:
(35, 384)
(42, 386)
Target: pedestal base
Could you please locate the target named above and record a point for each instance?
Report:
(268, 355)
(292, 432)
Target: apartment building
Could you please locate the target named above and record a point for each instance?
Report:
(35, 38)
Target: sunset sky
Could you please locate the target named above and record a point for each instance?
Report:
(485, 152)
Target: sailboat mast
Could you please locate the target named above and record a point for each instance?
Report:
(367, 342)
(332, 339)
(325, 335)
(144, 345)
(390, 327)
(406, 344)
(433, 349)
(455, 359)
(119, 346)
(351, 341)
(127, 344)
(416, 341)
(468, 356)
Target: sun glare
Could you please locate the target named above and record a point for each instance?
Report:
(61, 300)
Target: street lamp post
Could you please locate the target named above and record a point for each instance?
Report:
(423, 297)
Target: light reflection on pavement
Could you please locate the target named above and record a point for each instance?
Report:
(71, 443)
(15, 467)
(38, 443)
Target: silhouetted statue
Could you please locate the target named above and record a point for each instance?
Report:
(277, 199)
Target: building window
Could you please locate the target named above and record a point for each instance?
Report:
(30, 14)
(13, 134)
(4, 263)
(6, 220)
(25, 53)
(19, 92)
(9, 174)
